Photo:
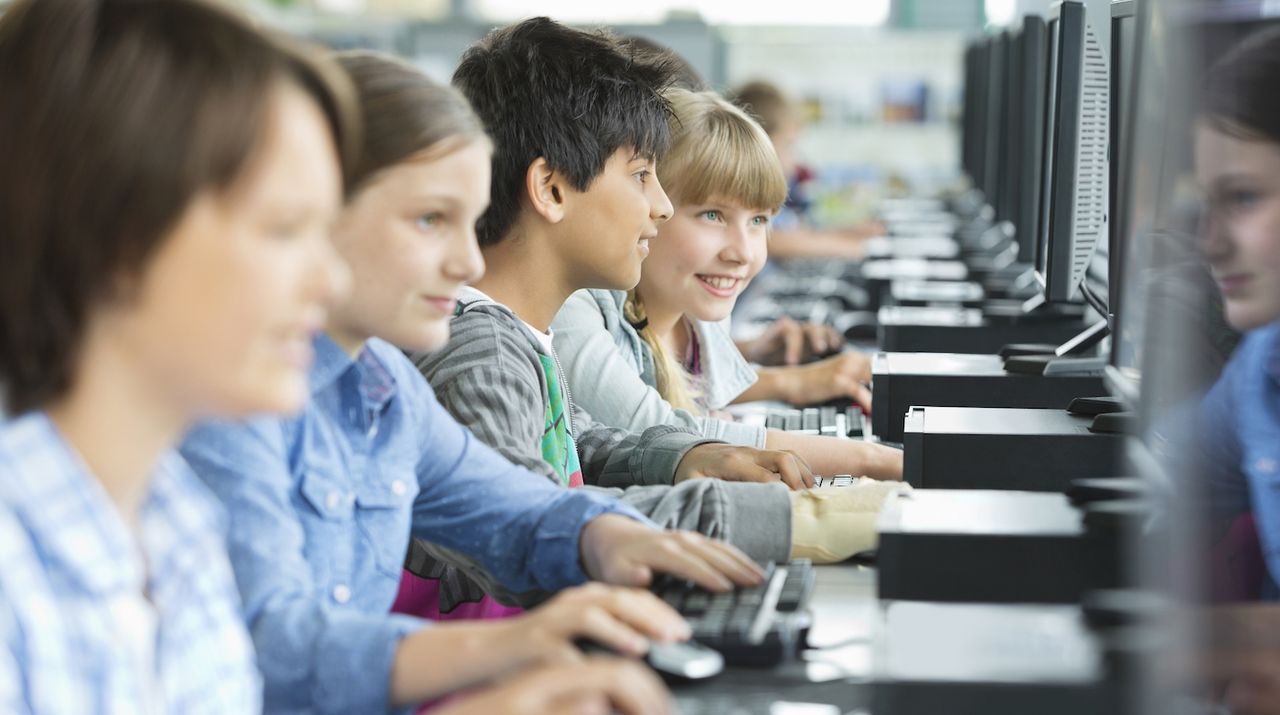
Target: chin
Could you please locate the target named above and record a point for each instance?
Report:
(431, 339)
(283, 395)
(1249, 317)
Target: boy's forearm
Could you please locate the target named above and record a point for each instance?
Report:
(829, 455)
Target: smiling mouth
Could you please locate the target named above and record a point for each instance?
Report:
(720, 283)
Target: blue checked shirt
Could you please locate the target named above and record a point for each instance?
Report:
(322, 507)
(1239, 439)
(77, 634)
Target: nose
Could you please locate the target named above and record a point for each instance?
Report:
(464, 262)
(1215, 236)
(660, 208)
(738, 247)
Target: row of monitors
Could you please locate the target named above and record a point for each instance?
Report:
(1038, 136)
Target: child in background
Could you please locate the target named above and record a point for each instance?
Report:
(322, 505)
(168, 175)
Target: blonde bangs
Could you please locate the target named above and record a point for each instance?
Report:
(718, 152)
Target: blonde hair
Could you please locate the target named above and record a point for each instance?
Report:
(717, 152)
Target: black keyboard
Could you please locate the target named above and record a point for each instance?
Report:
(843, 422)
(837, 480)
(754, 627)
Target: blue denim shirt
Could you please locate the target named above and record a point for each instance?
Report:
(322, 506)
(1240, 434)
(100, 616)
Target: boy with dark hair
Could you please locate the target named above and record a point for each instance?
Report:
(577, 124)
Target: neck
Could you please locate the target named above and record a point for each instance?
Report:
(665, 322)
(524, 274)
(120, 421)
(351, 341)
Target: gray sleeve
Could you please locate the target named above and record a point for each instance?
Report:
(606, 383)
(502, 406)
(614, 457)
(753, 517)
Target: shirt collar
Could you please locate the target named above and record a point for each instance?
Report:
(330, 362)
(1273, 354)
(70, 515)
(377, 385)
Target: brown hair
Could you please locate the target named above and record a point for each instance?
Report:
(117, 113)
(767, 103)
(404, 113)
(1240, 95)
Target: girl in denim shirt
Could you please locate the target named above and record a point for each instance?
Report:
(323, 505)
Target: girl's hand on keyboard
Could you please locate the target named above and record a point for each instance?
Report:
(619, 550)
(599, 684)
(787, 342)
(843, 376)
(744, 464)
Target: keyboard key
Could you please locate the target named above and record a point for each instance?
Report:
(810, 420)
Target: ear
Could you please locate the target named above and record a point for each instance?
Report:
(545, 190)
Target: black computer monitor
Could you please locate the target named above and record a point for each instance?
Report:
(1029, 72)
(995, 114)
(1124, 52)
(976, 112)
(969, 117)
(1074, 192)
(1008, 174)
(1140, 72)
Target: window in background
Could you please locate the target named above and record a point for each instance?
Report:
(862, 13)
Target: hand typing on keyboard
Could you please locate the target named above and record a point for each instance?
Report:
(619, 550)
(756, 626)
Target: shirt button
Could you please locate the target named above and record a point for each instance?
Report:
(341, 593)
(332, 501)
(398, 488)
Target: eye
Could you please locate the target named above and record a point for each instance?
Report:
(1242, 198)
(760, 220)
(427, 222)
(711, 215)
(642, 176)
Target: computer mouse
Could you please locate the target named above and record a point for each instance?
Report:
(688, 660)
(858, 327)
(682, 661)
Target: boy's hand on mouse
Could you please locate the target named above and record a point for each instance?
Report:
(617, 618)
(619, 550)
(787, 342)
(598, 684)
(843, 376)
(744, 464)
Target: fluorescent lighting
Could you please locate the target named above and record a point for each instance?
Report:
(1001, 12)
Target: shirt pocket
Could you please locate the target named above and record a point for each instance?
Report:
(383, 511)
